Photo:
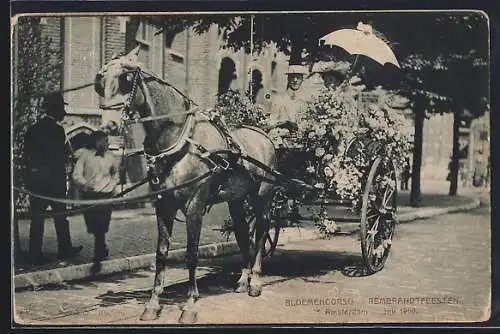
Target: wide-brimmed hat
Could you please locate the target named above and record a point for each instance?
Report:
(340, 67)
(53, 102)
(296, 69)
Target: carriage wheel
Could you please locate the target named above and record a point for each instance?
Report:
(378, 214)
(271, 236)
(355, 150)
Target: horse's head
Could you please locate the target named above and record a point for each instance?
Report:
(117, 81)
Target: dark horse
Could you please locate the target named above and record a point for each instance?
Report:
(174, 144)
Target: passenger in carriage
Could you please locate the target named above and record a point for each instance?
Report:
(97, 175)
(286, 108)
(333, 73)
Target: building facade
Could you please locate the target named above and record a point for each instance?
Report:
(197, 64)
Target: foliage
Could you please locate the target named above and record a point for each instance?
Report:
(38, 70)
(237, 110)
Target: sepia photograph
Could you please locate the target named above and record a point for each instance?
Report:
(250, 168)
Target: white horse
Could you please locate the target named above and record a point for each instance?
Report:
(175, 140)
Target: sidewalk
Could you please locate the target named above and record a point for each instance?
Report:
(132, 236)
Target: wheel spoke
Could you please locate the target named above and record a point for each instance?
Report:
(378, 212)
(252, 225)
(373, 230)
(387, 197)
(269, 239)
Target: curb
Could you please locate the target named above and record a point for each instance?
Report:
(432, 212)
(77, 272)
(33, 280)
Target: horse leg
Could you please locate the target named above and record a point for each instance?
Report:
(237, 212)
(194, 217)
(164, 218)
(261, 227)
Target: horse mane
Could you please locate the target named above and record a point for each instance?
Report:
(164, 98)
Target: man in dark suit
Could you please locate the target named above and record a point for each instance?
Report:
(46, 154)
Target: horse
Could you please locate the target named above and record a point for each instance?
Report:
(178, 146)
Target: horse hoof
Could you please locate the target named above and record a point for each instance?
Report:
(241, 288)
(150, 314)
(188, 317)
(255, 291)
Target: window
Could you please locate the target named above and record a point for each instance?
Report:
(227, 73)
(274, 75)
(142, 39)
(142, 33)
(256, 84)
(176, 57)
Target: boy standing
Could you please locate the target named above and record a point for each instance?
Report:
(96, 174)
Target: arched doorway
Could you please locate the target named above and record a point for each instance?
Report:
(227, 73)
(77, 135)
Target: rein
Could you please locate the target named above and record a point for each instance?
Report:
(114, 201)
(87, 204)
(25, 97)
(152, 159)
(155, 118)
(128, 116)
(125, 106)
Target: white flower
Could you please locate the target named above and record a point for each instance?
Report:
(320, 151)
(328, 172)
(328, 157)
(319, 185)
(320, 131)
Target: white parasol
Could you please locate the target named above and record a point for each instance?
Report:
(361, 41)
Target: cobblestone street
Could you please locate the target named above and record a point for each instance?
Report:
(439, 271)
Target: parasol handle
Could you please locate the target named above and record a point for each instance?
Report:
(354, 64)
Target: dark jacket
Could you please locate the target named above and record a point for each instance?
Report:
(46, 153)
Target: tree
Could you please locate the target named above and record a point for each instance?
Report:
(294, 34)
(426, 54)
(37, 69)
(446, 68)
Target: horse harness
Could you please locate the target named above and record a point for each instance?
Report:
(160, 162)
(221, 161)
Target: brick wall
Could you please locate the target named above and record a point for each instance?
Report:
(82, 59)
(175, 61)
(114, 39)
(199, 79)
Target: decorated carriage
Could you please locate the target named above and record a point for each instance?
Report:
(344, 152)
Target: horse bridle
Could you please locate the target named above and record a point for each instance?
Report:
(128, 115)
(126, 107)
